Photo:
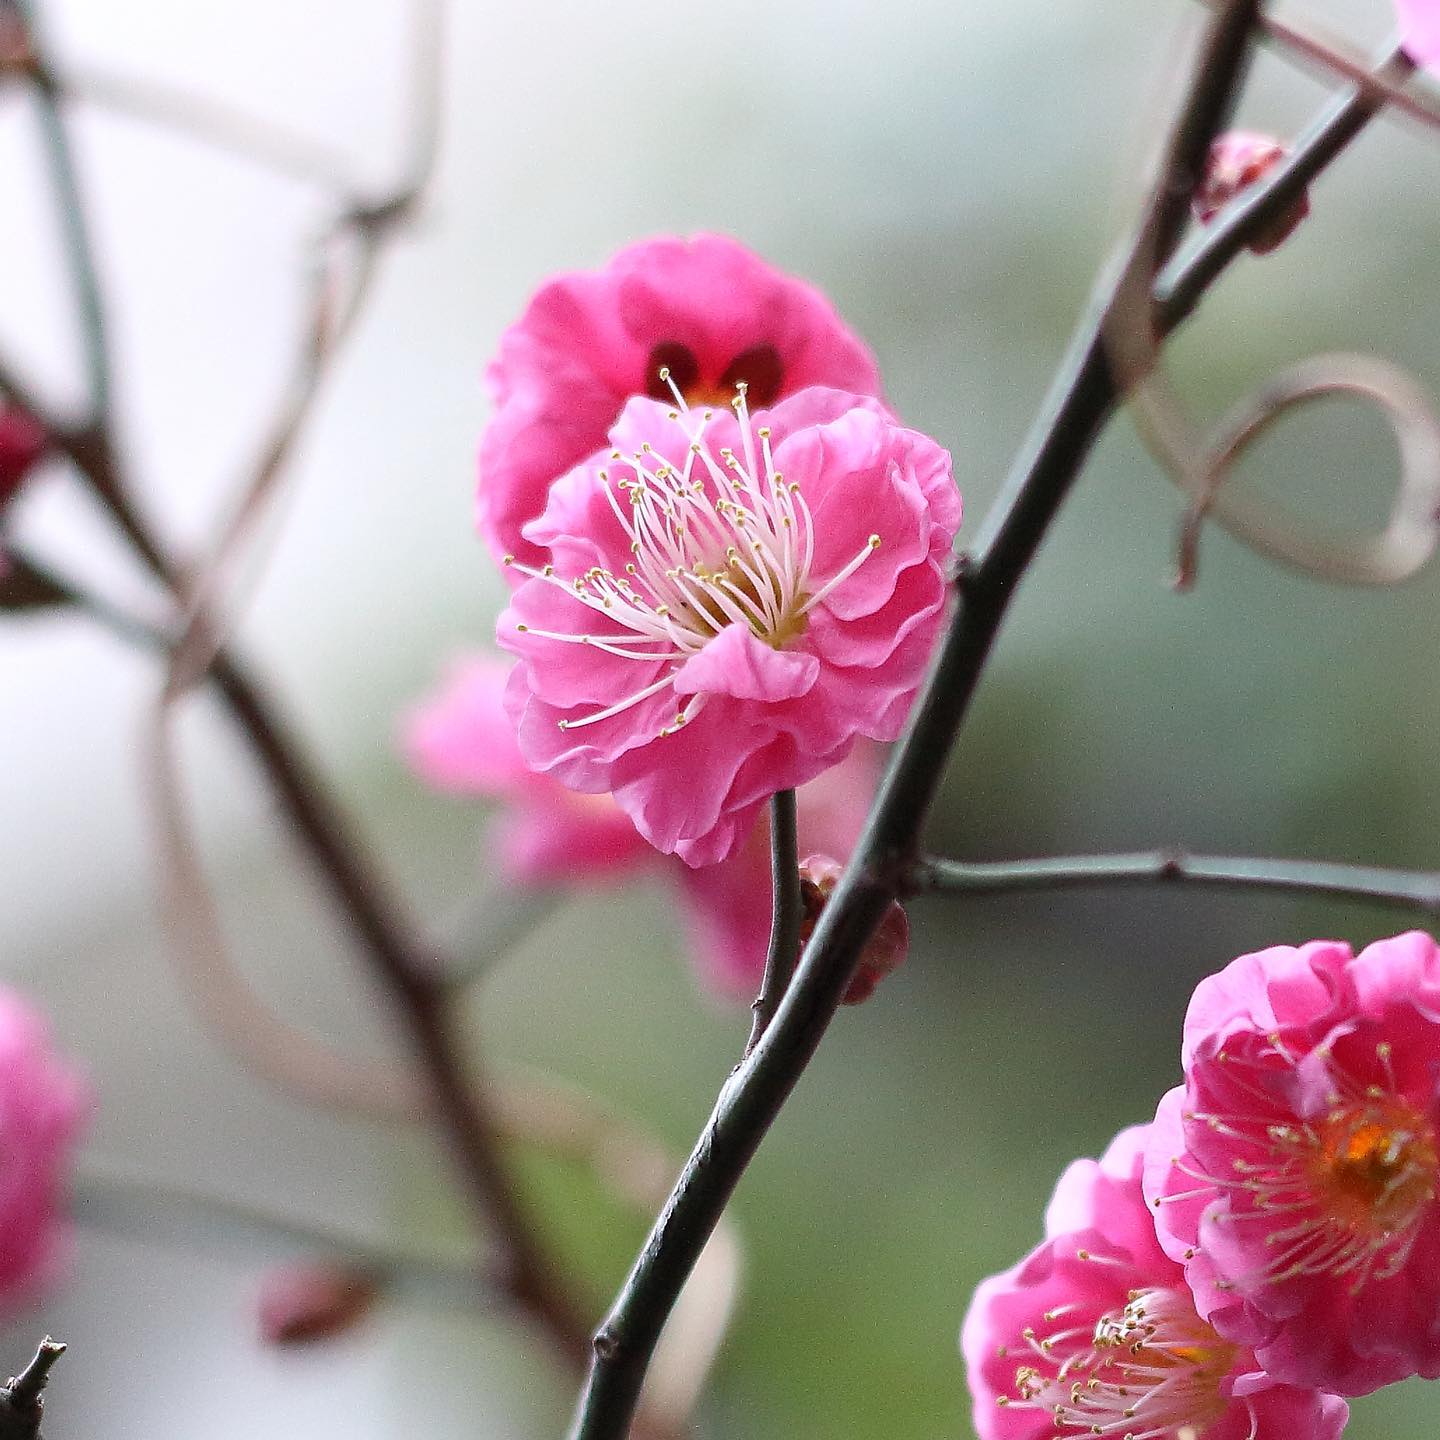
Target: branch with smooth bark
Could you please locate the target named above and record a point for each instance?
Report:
(1408, 889)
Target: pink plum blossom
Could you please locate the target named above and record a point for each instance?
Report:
(1096, 1333)
(730, 604)
(706, 308)
(1294, 1173)
(1420, 29)
(461, 741)
(42, 1107)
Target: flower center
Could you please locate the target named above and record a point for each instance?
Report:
(672, 367)
(1152, 1370)
(1375, 1166)
(1341, 1195)
(723, 540)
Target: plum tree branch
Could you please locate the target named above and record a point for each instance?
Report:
(1083, 399)
(1411, 889)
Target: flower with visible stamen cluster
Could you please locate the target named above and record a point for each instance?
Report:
(1295, 1171)
(460, 740)
(1095, 1333)
(706, 309)
(731, 602)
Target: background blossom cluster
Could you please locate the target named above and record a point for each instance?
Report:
(1270, 1243)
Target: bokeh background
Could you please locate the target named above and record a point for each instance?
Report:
(952, 173)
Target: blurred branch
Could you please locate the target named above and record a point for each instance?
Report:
(117, 1201)
(74, 222)
(785, 922)
(1412, 889)
(211, 122)
(402, 961)
(1326, 55)
(1084, 397)
(22, 1402)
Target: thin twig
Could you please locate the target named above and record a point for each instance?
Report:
(74, 221)
(22, 1401)
(1410, 889)
(1084, 398)
(1326, 56)
(785, 921)
(400, 960)
(1181, 286)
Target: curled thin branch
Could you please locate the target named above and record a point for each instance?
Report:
(1413, 528)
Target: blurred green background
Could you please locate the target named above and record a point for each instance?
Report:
(953, 175)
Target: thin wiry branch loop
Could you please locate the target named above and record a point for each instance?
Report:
(1413, 528)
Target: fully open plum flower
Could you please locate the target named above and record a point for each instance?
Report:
(42, 1107)
(708, 309)
(1295, 1171)
(731, 604)
(461, 741)
(1420, 30)
(1095, 1333)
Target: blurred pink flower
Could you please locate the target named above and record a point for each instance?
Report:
(731, 609)
(311, 1300)
(706, 308)
(1239, 159)
(43, 1105)
(1420, 29)
(460, 740)
(1095, 1333)
(22, 443)
(1295, 1170)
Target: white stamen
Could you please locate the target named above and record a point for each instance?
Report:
(727, 542)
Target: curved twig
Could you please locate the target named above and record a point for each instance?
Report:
(1413, 528)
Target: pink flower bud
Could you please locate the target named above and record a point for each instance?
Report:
(1238, 160)
(313, 1300)
(22, 443)
(887, 948)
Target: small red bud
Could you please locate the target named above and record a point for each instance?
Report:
(313, 1300)
(22, 443)
(886, 950)
(1238, 160)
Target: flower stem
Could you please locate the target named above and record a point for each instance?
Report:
(785, 923)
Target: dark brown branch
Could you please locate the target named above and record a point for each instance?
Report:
(1084, 398)
(785, 921)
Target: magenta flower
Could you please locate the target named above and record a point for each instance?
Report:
(461, 741)
(1238, 160)
(22, 443)
(42, 1107)
(1420, 29)
(729, 607)
(708, 309)
(1095, 1333)
(1294, 1172)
